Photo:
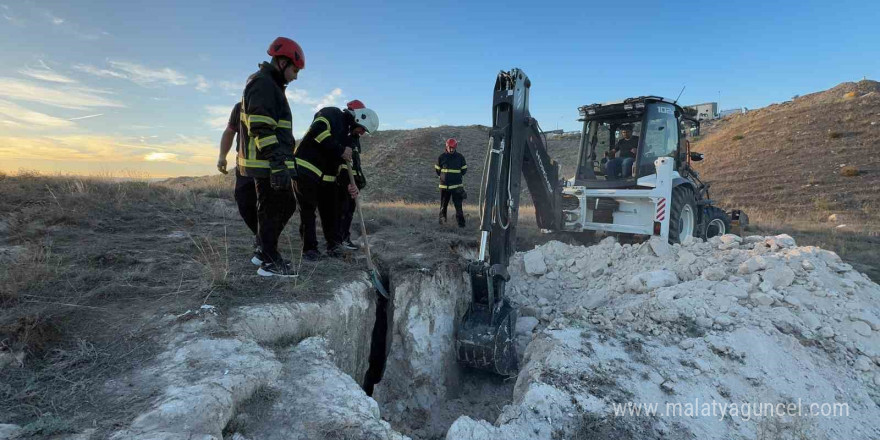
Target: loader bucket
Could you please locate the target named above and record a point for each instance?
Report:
(486, 340)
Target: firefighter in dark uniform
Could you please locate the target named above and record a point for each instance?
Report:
(346, 203)
(326, 146)
(265, 150)
(245, 189)
(451, 167)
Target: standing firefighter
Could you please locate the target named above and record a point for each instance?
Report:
(266, 148)
(451, 168)
(245, 189)
(326, 146)
(348, 204)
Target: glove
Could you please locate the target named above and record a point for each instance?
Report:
(279, 177)
(360, 181)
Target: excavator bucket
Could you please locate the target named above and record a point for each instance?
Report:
(486, 340)
(486, 333)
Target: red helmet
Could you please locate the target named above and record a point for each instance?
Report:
(285, 47)
(355, 105)
(451, 143)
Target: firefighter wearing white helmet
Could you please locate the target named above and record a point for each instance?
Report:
(366, 118)
(327, 146)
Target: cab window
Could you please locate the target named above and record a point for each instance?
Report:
(661, 136)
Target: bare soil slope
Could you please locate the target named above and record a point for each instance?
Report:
(399, 164)
(795, 164)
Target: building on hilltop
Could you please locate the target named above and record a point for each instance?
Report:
(733, 111)
(706, 110)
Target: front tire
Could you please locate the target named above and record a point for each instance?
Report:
(683, 216)
(717, 223)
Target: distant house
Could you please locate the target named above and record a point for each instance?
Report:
(560, 131)
(706, 110)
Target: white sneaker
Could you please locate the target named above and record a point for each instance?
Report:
(282, 269)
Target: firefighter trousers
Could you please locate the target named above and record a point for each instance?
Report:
(455, 195)
(321, 197)
(347, 206)
(274, 209)
(246, 199)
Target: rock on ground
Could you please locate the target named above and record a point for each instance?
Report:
(202, 381)
(316, 400)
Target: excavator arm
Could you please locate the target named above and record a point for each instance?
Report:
(486, 338)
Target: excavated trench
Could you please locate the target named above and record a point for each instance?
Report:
(298, 370)
(303, 370)
(413, 374)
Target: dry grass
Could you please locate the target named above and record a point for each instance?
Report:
(86, 270)
(849, 171)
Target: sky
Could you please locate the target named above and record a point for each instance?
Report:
(144, 88)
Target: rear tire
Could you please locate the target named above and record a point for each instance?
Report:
(683, 215)
(717, 223)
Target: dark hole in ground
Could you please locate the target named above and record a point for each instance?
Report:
(381, 339)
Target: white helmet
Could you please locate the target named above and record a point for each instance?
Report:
(365, 118)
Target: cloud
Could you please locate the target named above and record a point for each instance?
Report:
(300, 96)
(218, 116)
(27, 14)
(9, 16)
(29, 118)
(231, 88)
(67, 148)
(146, 76)
(160, 157)
(103, 73)
(202, 84)
(86, 117)
(136, 73)
(105, 149)
(46, 74)
(64, 97)
(329, 99)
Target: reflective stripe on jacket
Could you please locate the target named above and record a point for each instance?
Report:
(451, 167)
(320, 151)
(265, 127)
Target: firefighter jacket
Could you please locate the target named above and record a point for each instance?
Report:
(265, 131)
(342, 171)
(451, 167)
(319, 155)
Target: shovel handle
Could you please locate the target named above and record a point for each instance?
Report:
(361, 215)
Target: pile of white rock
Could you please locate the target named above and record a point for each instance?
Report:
(728, 320)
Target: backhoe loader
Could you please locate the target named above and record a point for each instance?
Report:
(656, 194)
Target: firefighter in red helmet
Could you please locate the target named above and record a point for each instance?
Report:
(451, 168)
(266, 145)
